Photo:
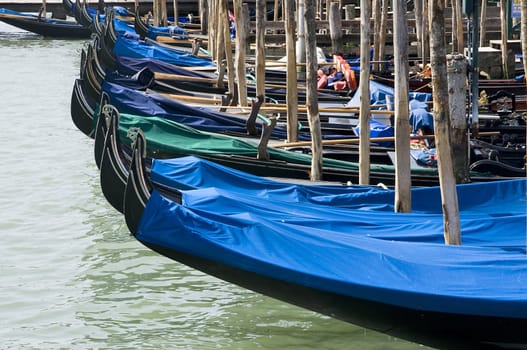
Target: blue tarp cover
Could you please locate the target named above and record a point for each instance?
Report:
(382, 95)
(125, 27)
(170, 31)
(348, 240)
(130, 47)
(131, 66)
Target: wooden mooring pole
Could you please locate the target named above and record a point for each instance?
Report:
(457, 96)
(291, 78)
(451, 223)
(301, 40)
(311, 91)
(335, 27)
(403, 182)
(364, 91)
(260, 47)
(504, 38)
(174, 9)
(224, 18)
(523, 36)
(203, 17)
(241, 13)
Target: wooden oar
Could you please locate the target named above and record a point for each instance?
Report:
(202, 68)
(179, 77)
(208, 101)
(211, 102)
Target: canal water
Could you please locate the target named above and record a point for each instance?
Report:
(72, 277)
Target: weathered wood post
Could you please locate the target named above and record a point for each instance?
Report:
(473, 14)
(403, 180)
(457, 27)
(224, 18)
(419, 25)
(301, 41)
(155, 10)
(504, 37)
(335, 27)
(452, 229)
(376, 14)
(523, 36)
(457, 96)
(275, 11)
(174, 9)
(219, 41)
(453, 21)
(241, 14)
(163, 13)
(382, 34)
(364, 91)
(425, 37)
(349, 14)
(260, 47)
(44, 9)
(483, 24)
(311, 91)
(212, 28)
(203, 17)
(291, 78)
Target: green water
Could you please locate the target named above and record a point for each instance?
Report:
(72, 277)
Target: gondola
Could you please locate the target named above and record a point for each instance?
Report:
(140, 27)
(98, 25)
(51, 28)
(87, 91)
(105, 60)
(346, 154)
(129, 45)
(81, 105)
(69, 7)
(127, 100)
(147, 31)
(135, 102)
(342, 251)
(138, 73)
(167, 139)
(86, 17)
(130, 101)
(130, 66)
